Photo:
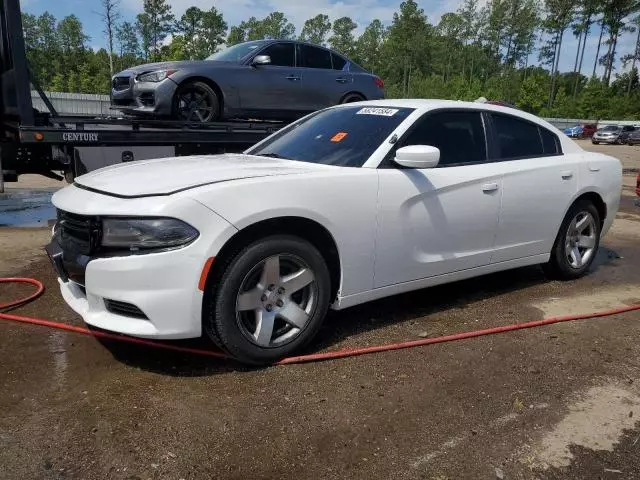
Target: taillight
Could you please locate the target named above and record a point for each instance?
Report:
(379, 82)
(638, 185)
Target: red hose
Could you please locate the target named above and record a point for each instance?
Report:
(348, 352)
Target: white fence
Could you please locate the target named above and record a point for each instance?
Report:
(75, 103)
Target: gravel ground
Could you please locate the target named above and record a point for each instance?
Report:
(555, 402)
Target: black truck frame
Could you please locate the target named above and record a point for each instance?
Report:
(45, 142)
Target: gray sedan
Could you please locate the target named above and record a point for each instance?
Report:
(266, 79)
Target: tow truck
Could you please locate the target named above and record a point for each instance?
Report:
(46, 143)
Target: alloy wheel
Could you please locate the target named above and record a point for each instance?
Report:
(196, 105)
(580, 240)
(276, 300)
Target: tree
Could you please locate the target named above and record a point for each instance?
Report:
(72, 41)
(588, 10)
(531, 97)
(236, 35)
(201, 32)
(633, 57)
(128, 45)
(559, 16)
(276, 26)
(342, 39)
(154, 24)
(615, 12)
(407, 44)
(369, 45)
(316, 29)
(110, 16)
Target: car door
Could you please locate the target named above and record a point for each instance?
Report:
(539, 183)
(272, 87)
(439, 220)
(322, 85)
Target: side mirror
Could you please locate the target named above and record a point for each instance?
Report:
(261, 60)
(418, 156)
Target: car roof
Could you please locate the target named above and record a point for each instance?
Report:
(427, 104)
(424, 105)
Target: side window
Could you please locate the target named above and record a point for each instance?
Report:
(282, 54)
(458, 134)
(313, 57)
(550, 142)
(338, 62)
(516, 138)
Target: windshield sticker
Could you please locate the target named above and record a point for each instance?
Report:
(338, 137)
(383, 112)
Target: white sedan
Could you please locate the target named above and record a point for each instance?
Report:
(347, 205)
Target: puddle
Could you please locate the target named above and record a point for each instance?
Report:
(26, 208)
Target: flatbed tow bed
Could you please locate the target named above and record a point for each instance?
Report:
(46, 143)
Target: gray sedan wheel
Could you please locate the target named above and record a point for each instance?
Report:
(353, 97)
(196, 102)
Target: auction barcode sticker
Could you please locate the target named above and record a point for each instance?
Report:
(383, 112)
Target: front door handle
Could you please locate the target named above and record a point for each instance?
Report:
(489, 187)
(593, 168)
(293, 78)
(567, 174)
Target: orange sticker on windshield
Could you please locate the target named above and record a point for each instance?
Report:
(338, 137)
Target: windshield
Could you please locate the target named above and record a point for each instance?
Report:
(236, 52)
(344, 136)
(610, 128)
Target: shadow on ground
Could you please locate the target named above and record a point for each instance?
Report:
(342, 325)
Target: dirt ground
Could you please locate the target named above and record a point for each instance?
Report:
(555, 402)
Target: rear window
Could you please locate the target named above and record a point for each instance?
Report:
(338, 62)
(313, 57)
(550, 142)
(516, 138)
(345, 136)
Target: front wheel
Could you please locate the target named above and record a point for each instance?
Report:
(577, 242)
(196, 102)
(270, 301)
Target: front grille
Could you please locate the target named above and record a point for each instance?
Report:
(78, 233)
(121, 83)
(123, 308)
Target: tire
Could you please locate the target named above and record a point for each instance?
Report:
(196, 102)
(595, 143)
(561, 264)
(353, 97)
(237, 328)
(630, 144)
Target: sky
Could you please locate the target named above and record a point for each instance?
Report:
(297, 11)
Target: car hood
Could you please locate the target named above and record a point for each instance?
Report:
(147, 178)
(150, 67)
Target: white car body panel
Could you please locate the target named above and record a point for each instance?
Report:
(395, 230)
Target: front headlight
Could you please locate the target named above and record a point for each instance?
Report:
(156, 76)
(142, 233)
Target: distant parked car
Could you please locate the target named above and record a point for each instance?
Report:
(588, 129)
(574, 132)
(627, 130)
(266, 79)
(634, 137)
(608, 134)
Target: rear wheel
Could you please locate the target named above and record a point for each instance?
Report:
(353, 97)
(196, 102)
(577, 242)
(270, 301)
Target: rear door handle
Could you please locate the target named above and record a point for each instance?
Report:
(341, 80)
(489, 187)
(567, 174)
(293, 77)
(594, 169)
